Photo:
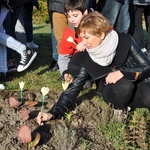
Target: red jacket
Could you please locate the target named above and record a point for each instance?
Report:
(68, 47)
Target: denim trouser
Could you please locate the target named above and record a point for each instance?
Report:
(118, 14)
(9, 25)
(54, 46)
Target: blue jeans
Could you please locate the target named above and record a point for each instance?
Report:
(9, 25)
(54, 44)
(118, 15)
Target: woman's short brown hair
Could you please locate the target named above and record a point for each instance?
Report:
(94, 23)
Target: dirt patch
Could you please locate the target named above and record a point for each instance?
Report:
(78, 133)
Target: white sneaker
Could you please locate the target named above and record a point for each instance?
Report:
(32, 45)
(26, 59)
(2, 87)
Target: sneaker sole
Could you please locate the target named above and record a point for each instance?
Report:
(29, 63)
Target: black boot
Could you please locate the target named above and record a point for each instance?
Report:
(53, 66)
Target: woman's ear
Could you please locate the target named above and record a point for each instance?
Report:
(103, 35)
(85, 12)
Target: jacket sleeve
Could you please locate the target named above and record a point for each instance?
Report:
(137, 65)
(137, 55)
(67, 99)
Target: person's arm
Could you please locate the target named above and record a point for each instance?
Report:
(67, 99)
(63, 61)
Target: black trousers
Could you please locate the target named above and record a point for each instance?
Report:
(125, 93)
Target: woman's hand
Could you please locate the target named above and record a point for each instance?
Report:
(43, 117)
(68, 78)
(113, 77)
(80, 47)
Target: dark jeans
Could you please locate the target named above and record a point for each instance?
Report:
(136, 27)
(147, 19)
(28, 25)
(125, 93)
(118, 94)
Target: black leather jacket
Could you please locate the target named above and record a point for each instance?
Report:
(136, 61)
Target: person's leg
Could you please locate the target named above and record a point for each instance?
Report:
(142, 96)
(27, 55)
(28, 25)
(123, 21)
(59, 25)
(147, 19)
(54, 44)
(118, 94)
(53, 65)
(136, 28)
(111, 10)
(9, 25)
(27, 16)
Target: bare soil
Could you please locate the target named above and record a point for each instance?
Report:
(78, 133)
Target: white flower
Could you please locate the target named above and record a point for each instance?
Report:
(44, 90)
(21, 84)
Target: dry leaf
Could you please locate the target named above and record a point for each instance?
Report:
(24, 134)
(30, 103)
(35, 142)
(13, 102)
(24, 114)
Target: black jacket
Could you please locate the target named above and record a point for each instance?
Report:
(56, 6)
(129, 59)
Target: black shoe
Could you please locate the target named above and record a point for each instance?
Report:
(26, 59)
(12, 65)
(53, 66)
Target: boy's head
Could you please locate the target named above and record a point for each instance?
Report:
(75, 10)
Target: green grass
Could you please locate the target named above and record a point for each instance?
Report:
(37, 75)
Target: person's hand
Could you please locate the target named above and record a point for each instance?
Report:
(113, 77)
(43, 117)
(68, 78)
(80, 47)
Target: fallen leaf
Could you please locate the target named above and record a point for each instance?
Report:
(35, 142)
(24, 133)
(13, 102)
(24, 114)
(30, 103)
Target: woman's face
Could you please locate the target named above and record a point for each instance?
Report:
(90, 41)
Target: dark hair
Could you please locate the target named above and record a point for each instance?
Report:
(80, 5)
